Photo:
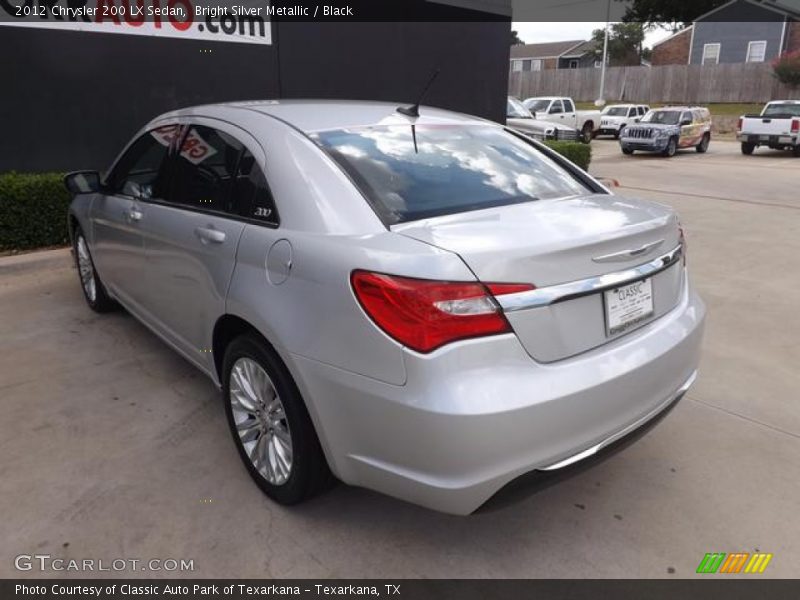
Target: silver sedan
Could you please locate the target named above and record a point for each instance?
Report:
(428, 306)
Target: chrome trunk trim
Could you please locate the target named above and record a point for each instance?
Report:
(564, 291)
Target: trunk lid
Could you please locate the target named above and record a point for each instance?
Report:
(552, 242)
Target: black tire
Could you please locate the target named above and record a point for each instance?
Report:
(309, 474)
(796, 151)
(747, 148)
(586, 133)
(101, 302)
(703, 145)
(671, 149)
(626, 150)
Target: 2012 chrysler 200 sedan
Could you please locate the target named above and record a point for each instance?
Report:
(428, 306)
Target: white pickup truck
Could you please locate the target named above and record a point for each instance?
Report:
(562, 110)
(778, 126)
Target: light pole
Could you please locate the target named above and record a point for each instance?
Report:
(601, 98)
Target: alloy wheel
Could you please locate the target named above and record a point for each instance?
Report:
(260, 421)
(86, 269)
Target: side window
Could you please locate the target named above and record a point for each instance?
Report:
(568, 107)
(687, 115)
(556, 107)
(141, 172)
(204, 169)
(631, 112)
(251, 197)
(643, 110)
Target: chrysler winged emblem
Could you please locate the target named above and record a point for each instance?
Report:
(628, 254)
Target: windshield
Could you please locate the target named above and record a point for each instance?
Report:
(792, 109)
(537, 105)
(450, 169)
(664, 117)
(616, 111)
(516, 110)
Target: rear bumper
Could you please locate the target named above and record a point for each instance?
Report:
(475, 415)
(775, 140)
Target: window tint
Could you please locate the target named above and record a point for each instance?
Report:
(251, 196)
(408, 174)
(568, 107)
(204, 168)
(141, 172)
(556, 107)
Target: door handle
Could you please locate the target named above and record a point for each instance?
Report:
(209, 234)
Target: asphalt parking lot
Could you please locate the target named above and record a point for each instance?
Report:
(114, 447)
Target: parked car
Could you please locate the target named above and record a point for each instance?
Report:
(615, 117)
(518, 117)
(777, 126)
(428, 306)
(667, 129)
(562, 110)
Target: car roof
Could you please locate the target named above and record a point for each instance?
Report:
(319, 115)
(681, 108)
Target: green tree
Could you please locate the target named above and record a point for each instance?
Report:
(624, 43)
(515, 40)
(673, 14)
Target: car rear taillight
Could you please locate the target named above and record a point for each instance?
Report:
(795, 125)
(424, 314)
(739, 124)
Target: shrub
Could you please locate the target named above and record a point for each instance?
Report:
(580, 154)
(33, 210)
(786, 68)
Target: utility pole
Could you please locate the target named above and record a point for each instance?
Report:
(601, 98)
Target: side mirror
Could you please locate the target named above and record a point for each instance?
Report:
(637, 120)
(686, 122)
(83, 182)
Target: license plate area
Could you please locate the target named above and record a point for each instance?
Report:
(628, 305)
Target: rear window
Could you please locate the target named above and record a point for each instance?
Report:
(445, 170)
(773, 110)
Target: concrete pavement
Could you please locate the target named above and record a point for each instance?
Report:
(114, 447)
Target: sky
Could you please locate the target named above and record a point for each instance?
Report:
(534, 33)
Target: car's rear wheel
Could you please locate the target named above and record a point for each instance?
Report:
(672, 147)
(586, 132)
(93, 289)
(703, 145)
(271, 427)
(747, 148)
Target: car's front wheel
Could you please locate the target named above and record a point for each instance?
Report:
(271, 427)
(93, 289)
(626, 150)
(672, 147)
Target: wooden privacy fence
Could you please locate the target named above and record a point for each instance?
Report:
(692, 84)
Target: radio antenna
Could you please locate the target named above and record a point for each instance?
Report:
(413, 110)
